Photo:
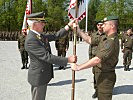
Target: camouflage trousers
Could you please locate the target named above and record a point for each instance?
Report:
(127, 57)
(24, 57)
(62, 53)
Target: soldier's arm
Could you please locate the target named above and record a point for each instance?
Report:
(90, 63)
(84, 36)
(102, 55)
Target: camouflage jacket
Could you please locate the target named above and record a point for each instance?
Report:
(127, 41)
(62, 43)
(21, 41)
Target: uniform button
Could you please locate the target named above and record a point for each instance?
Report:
(42, 70)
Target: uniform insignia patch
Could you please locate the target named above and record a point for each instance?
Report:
(38, 36)
(106, 46)
(112, 38)
(126, 40)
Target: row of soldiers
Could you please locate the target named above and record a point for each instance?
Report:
(62, 46)
(9, 36)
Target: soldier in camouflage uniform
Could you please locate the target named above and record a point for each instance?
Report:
(127, 48)
(23, 52)
(62, 46)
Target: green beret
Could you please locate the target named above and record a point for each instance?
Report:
(37, 16)
(109, 18)
(99, 22)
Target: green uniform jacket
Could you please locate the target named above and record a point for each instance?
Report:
(108, 52)
(21, 41)
(62, 44)
(127, 42)
(95, 39)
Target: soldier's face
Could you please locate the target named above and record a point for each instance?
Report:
(129, 31)
(99, 27)
(106, 26)
(40, 26)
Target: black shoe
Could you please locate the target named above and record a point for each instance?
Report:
(64, 67)
(61, 67)
(23, 67)
(26, 67)
(128, 69)
(94, 95)
(125, 68)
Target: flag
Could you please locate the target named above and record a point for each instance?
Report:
(81, 9)
(27, 12)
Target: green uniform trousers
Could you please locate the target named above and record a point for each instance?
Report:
(61, 53)
(127, 57)
(24, 57)
(105, 83)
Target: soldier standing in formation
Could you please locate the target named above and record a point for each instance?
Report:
(127, 49)
(105, 60)
(62, 46)
(95, 37)
(23, 52)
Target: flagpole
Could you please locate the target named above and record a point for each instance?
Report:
(31, 6)
(86, 16)
(74, 52)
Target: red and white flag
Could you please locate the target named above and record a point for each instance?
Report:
(81, 9)
(27, 12)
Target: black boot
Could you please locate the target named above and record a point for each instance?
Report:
(23, 67)
(94, 95)
(26, 66)
(61, 67)
(128, 69)
(64, 67)
(125, 68)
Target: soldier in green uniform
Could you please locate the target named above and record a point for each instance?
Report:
(105, 60)
(127, 48)
(62, 46)
(95, 37)
(23, 52)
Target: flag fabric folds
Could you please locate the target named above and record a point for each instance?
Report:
(27, 12)
(81, 9)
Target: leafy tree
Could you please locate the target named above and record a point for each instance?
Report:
(121, 8)
(56, 14)
(92, 11)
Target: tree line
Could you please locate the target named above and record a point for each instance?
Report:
(12, 13)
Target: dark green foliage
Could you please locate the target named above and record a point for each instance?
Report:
(12, 13)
